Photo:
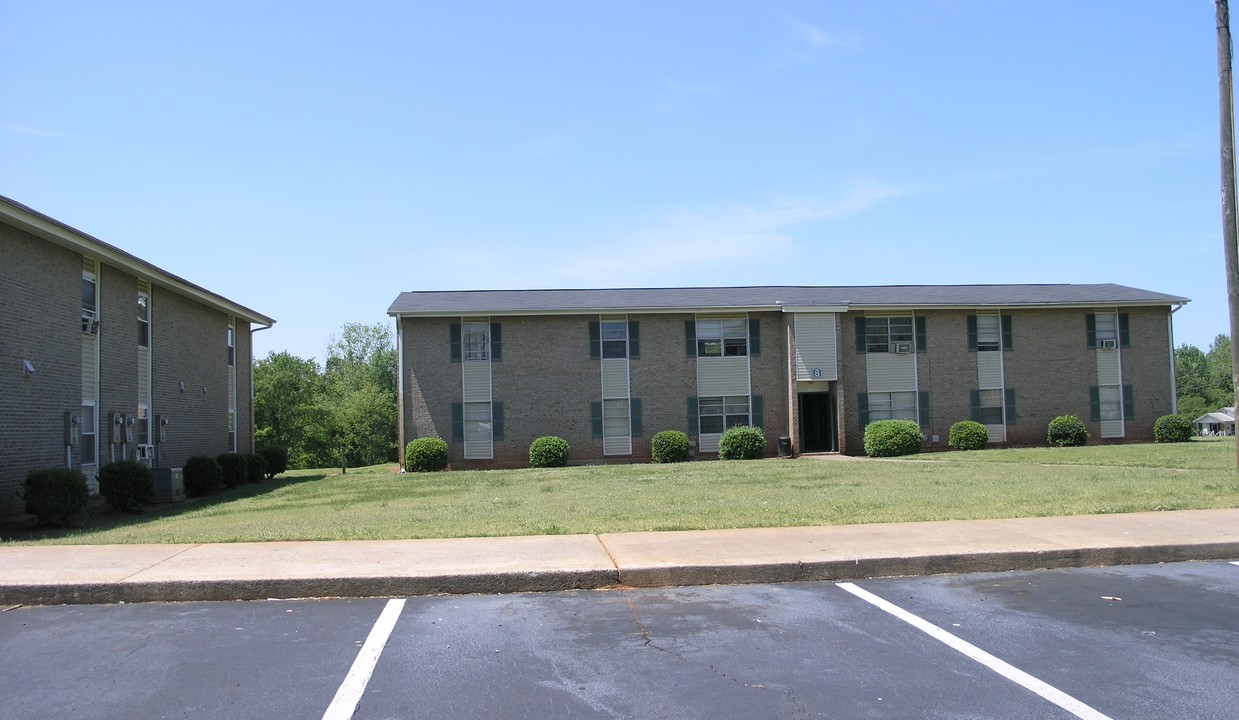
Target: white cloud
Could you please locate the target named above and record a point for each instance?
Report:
(819, 38)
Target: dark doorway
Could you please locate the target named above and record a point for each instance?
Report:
(817, 423)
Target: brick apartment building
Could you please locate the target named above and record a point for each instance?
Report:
(105, 356)
(490, 371)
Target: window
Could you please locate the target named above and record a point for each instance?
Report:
(888, 334)
(90, 314)
(614, 339)
(1110, 399)
(144, 425)
(615, 422)
(477, 421)
(232, 345)
(989, 333)
(719, 413)
(475, 338)
(724, 337)
(232, 431)
(1106, 328)
(989, 406)
(144, 320)
(88, 434)
(892, 406)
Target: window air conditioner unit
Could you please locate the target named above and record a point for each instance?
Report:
(90, 324)
(1108, 344)
(903, 347)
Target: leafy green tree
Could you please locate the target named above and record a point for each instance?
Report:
(1204, 381)
(360, 379)
(1221, 376)
(287, 413)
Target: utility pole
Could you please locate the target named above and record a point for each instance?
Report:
(1229, 228)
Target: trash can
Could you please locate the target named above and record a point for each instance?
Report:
(785, 446)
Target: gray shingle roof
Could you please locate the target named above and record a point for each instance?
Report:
(510, 302)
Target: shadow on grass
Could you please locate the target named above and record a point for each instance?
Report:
(104, 517)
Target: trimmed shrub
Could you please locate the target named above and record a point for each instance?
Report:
(741, 442)
(276, 458)
(127, 485)
(232, 469)
(891, 438)
(548, 451)
(1172, 428)
(968, 435)
(57, 496)
(202, 475)
(428, 454)
(255, 468)
(669, 446)
(1067, 431)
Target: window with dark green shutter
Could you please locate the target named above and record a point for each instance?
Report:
(595, 418)
(454, 341)
(1129, 402)
(1124, 331)
(758, 410)
(690, 338)
(694, 421)
(754, 336)
(458, 422)
(634, 406)
(496, 342)
(1007, 336)
(595, 340)
(1010, 400)
(862, 407)
(972, 333)
(634, 339)
(496, 420)
(923, 409)
(1090, 330)
(922, 337)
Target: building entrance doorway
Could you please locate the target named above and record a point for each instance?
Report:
(817, 423)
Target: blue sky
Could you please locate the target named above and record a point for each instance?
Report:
(311, 160)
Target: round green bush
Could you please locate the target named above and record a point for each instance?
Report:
(968, 435)
(1067, 431)
(548, 451)
(127, 485)
(891, 438)
(57, 496)
(741, 442)
(276, 458)
(428, 454)
(1172, 428)
(669, 446)
(202, 475)
(232, 469)
(255, 468)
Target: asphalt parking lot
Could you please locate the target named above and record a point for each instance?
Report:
(1151, 641)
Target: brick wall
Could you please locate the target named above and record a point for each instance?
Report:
(189, 345)
(41, 295)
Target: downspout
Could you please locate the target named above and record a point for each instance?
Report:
(253, 429)
(399, 396)
(1174, 380)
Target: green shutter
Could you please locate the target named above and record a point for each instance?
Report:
(922, 344)
(634, 411)
(1090, 329)
(754, 337)
(1129, 402)
(972, 333)
(634, 339)
(595, 418)
(757, 412)
(496, 421)
(1006, 333)
(860, 335)
(922, 408)
(862, 407)
(496, 342)
(454, 341)
(694, 422)
(595, 340)
(1124, 331)
(690, 338)
(458, 422)
(974, 398)
(1094, 403)
(1009, 394)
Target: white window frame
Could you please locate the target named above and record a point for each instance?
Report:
(722, 337)
(1106, 326)
(1110, 402)
(475, 341)
(990, 402)
(90, 419)
(478, 422)
(883, 333)
(144, 320)
(143, 433)
(232, 344)
(893, 406)
(716, 414)
(616, 418)
(614, 335)
(90, 314)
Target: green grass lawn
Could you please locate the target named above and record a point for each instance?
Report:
(374, 503)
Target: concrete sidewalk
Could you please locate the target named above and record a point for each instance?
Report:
(247, 571)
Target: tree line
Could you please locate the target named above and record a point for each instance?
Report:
(1204, 380)
(342, 414)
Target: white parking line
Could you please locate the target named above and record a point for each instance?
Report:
(354, 685)
(1010, 672)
